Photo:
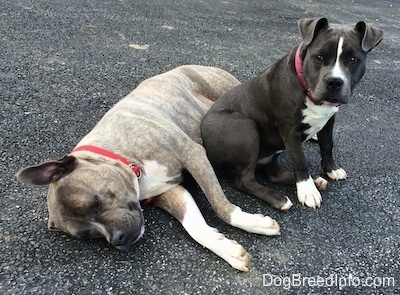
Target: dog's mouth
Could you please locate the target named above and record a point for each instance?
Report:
(127, 244)
(140, 234)
(332, 102)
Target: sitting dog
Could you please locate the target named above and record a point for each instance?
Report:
(138, 150)
(287, 104)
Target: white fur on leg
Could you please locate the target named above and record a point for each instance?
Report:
(254, 223)
(337, 174)
(209, 237)
(308, 193)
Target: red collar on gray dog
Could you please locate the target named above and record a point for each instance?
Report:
(298, 63)
(109, 154)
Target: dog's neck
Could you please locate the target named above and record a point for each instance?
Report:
(298, 63)
(109, 154)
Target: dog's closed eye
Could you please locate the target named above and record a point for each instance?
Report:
(97, 204)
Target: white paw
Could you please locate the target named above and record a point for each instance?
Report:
(337, 174)
(287, 205)
(320, 183)
(308, 193)
(231, 252)
(254, 223)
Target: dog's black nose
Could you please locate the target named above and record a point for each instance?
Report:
(119, 238)
(334, 84)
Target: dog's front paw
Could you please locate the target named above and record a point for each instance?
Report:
(266, 225)
(233, 253)
(337, 174)
(308, 193)
(254, 223)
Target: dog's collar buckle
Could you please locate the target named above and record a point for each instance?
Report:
(109, 154)
(136, 169)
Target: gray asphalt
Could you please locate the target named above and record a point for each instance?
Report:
(64, 63)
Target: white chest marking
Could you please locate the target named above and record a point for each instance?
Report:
(316, 116)
(155, 180)
(337, 70)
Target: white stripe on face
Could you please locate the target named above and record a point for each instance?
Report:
(337, 70)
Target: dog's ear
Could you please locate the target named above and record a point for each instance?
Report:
(309, 27)
(371, 36)
(47, 172)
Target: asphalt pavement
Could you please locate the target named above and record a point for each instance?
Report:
(65, 63)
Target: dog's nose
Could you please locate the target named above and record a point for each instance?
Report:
(119, 238)
(334, 84)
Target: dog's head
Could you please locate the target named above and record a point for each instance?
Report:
(334, 57)
(90, 198)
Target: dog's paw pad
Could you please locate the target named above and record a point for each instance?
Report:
(308, 193)
(337, 174)
(320, 183)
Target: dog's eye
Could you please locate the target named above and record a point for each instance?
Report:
(97, 204)
(319, 58)
(354, 60)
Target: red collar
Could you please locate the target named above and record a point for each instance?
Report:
(298, 63)
(109, 154)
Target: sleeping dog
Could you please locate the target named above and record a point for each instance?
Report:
(138, 150)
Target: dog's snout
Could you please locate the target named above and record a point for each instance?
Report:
(123, 239)
(334, 84)
(119, 238)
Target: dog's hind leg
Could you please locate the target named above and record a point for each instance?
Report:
(198, 165)
(226, 148)
(180, 204)
(275, 173)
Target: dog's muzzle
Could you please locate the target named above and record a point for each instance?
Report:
(123, 239)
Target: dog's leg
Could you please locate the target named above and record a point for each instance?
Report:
(230, 149)
(180, 204)
(198, 165)
(307, 191)
(326, 145)
(275, 174)
(247, 183)
(245, 173)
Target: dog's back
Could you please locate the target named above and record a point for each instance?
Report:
(181, 96)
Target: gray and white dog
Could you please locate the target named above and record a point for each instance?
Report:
(138, 150)
(287, 104)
